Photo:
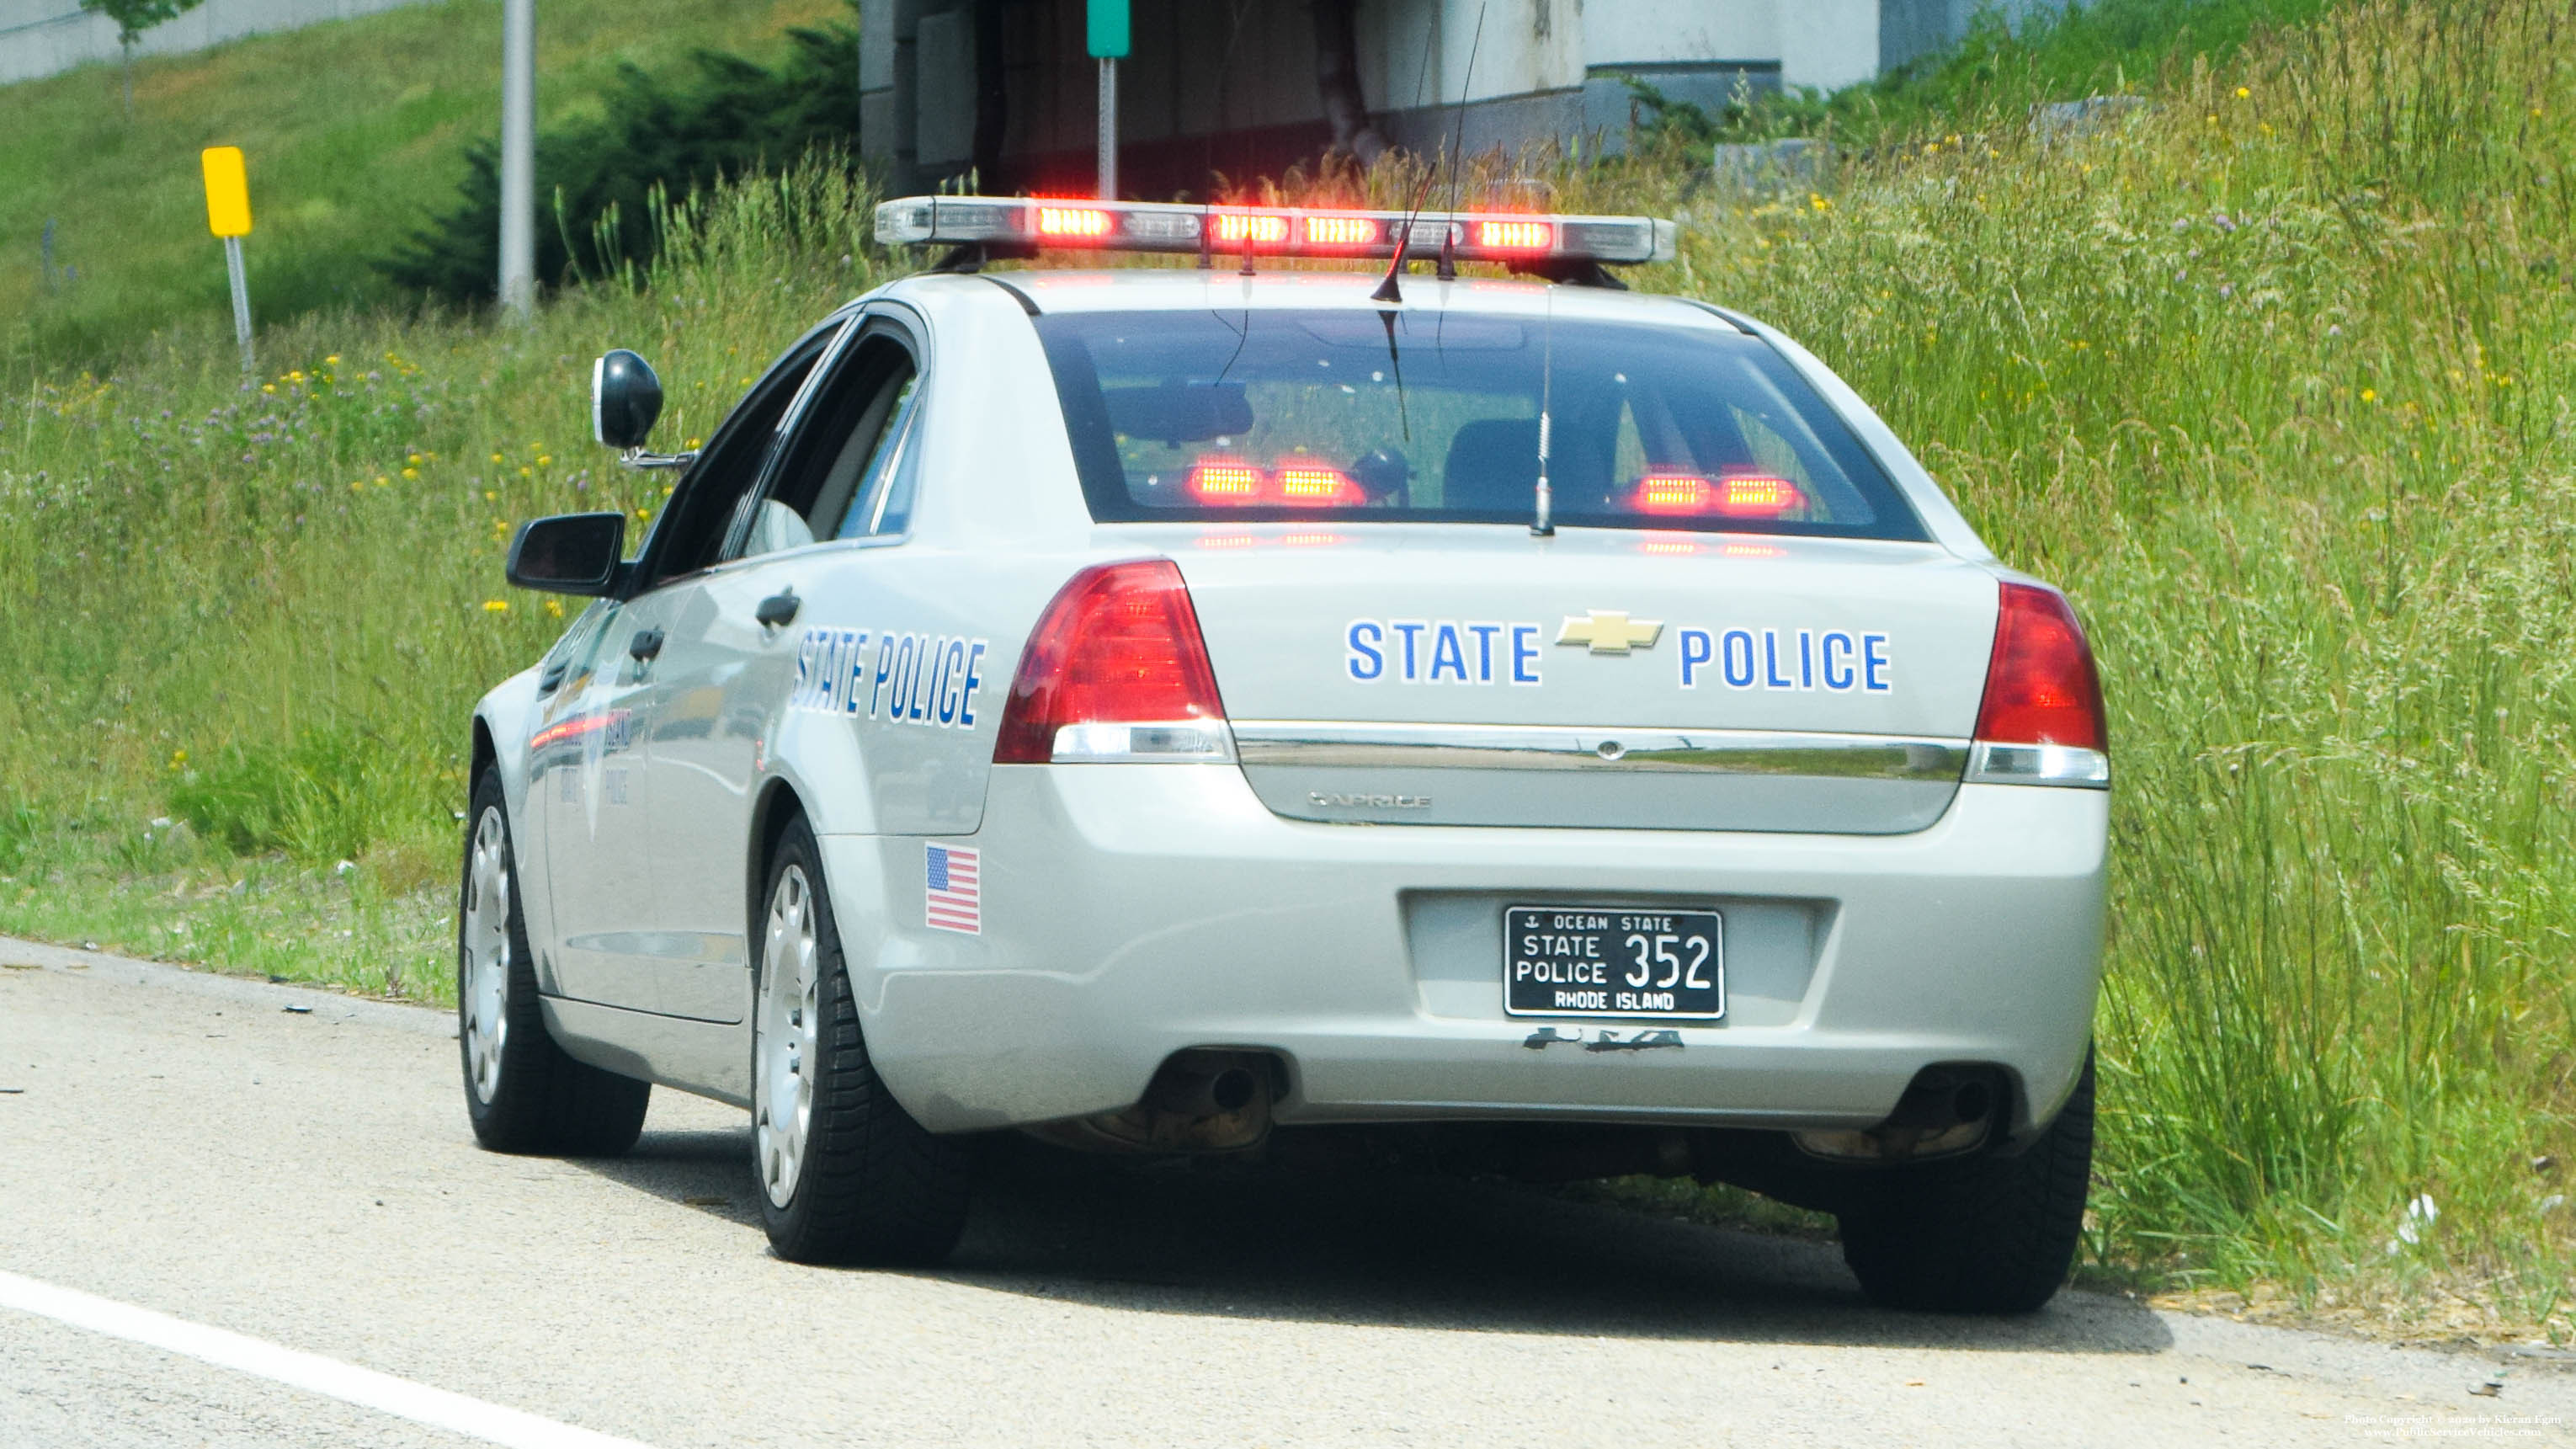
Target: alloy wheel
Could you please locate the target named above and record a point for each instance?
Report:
(482, 996)
(786, 1029)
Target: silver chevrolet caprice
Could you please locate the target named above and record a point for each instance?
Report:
(1550, 729)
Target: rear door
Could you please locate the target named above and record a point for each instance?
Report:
(741, 638)
(617, 945)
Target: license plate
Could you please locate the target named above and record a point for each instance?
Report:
(1613, 961)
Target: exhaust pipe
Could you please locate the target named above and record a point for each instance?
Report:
(1199, 1101)
(1946, 1110)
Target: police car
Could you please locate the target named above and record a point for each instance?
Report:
(1206, 709)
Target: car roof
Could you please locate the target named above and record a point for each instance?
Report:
(1190, 289)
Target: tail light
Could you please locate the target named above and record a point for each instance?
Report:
(1116, 670)
(2041, 722)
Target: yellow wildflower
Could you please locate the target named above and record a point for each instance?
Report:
(496, 606)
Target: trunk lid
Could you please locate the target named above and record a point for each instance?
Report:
(1459, 674)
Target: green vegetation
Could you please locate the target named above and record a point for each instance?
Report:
(728, 118)
(262, 612)
(2271, 379)
(355, 132)
(2270, 376)
(2108, 47)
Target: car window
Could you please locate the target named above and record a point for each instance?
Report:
(716, 493)
(1422, 416)
(837, 475)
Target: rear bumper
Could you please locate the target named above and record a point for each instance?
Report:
(1131, 911)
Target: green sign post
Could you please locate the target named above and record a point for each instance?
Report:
(1106, 27)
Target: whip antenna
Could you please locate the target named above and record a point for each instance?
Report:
(1390, 290)
(1542, 520)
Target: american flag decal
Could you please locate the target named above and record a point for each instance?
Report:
(953, 898)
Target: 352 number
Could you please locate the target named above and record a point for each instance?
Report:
(1665, 952)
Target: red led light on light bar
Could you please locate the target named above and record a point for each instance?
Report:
(1074, 221)
(1524, 241)
(1341, 231)
(1515, 236)
(1236, 228)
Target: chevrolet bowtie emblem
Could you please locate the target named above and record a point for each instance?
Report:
(1610, 631)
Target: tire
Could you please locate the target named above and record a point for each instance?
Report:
(522, 1092)
(1993, 1234)
(845, 1173)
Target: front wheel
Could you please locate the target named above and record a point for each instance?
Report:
(846, 1174)
(1992, 1234)
(522, 1092)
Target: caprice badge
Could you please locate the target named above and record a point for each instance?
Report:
(1365, 800)
(1610, 631)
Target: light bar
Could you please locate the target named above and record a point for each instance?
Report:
(1140, 226)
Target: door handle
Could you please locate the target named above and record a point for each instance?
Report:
(646, 643)
(778, 610)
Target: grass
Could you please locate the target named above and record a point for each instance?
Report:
(2271, 376)
(355, 133)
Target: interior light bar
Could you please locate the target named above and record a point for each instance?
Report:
(1139, 226)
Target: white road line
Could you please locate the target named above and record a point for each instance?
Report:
(310, 1372)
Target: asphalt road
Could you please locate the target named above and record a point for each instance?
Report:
(253, 1187)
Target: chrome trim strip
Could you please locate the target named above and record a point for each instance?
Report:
(1344, 744)
(1995, 764)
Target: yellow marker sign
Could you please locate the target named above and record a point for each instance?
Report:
(227, 192)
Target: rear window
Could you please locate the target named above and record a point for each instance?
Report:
(1416, 415)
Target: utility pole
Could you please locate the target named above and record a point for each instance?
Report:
(518, 279)
(1107, 30)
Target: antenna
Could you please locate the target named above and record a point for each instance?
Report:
(1390, 290)
(1447, 268)
(1542, 519)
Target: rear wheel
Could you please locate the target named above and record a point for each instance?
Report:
(522, 1092)
(1992, 1234)
(846, 1174)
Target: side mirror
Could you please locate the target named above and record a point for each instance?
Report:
(570, 553)
(625, 398)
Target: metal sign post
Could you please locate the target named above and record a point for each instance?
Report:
(228, 216)
(1108, 33)
(518, 279)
